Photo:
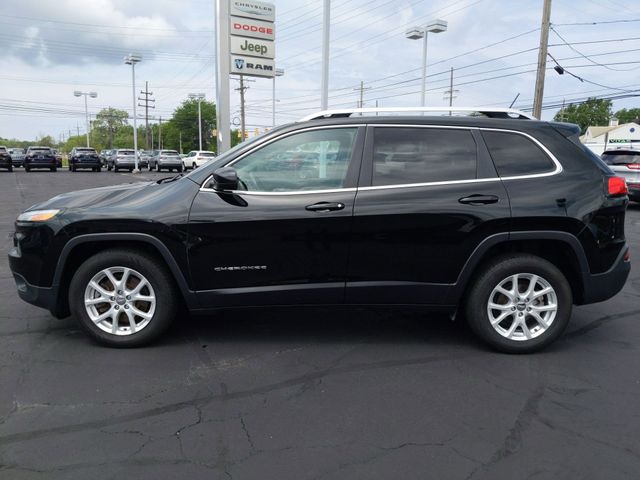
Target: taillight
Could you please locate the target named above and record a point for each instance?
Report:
(617, 186)
(633, 166)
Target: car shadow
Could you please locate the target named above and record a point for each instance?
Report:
(320, 325)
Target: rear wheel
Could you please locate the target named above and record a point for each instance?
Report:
(194, 166)
(157, 167)
(27, 169)
(10, 168)
(519, 303)
(123, 298)
(54, 169)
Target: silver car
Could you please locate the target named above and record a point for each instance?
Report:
(122, 159)
(166, 160)
(625, 162)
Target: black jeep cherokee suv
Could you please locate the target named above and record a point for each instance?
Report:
(507, 222)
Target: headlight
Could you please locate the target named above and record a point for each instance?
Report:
(37, 215)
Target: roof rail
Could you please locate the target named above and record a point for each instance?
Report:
(488, 112)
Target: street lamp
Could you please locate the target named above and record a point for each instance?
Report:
(416, 33)
(279, 72)
(132, 59)
(198, 97)
(78, 93)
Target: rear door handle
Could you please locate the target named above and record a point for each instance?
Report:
(325, 207)
(479, 199)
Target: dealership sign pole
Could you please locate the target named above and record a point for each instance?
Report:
(223, 105)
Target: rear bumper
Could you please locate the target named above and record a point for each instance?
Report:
(603, 286)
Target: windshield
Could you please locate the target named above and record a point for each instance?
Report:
(621, 158)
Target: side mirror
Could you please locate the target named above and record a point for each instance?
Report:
(225, 178)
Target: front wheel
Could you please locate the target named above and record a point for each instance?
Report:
(123, 298)
(519, 303)
(194, 166)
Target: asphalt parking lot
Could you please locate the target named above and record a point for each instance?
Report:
(313, 393)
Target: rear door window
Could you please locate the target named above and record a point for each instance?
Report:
(516, 155)
(409, 155)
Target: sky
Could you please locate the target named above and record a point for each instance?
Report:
(49, 48)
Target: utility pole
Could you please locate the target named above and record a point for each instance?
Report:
(451, 93)
(78, 128)
(180, 136)
(362, 89)
(146, 100)
(160, 134)
(242, 89)
(542, 59)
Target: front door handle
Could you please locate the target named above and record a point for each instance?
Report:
(479, 199)
(325, 207)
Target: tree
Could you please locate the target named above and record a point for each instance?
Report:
(627, 116)
(184, 124)
(595, 111)
(108, 122)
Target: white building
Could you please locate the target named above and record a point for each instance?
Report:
(599, 139)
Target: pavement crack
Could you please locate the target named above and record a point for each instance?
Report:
(248, 435)
(206, 399)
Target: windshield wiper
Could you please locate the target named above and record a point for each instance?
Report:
(170, 179)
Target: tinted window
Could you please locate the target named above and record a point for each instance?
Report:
(125, 152)
(422, 155)
(312, 160)
(621, 158)
(3, 150)
(514, 154)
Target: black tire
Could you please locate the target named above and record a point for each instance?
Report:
(499, 270)
(10, 169)
(194, 166)
(27, 169)
(54, 169)
(109, 167)
(130, 170)
(158, 169)
(154, 272)
(180, 169)
(116, 169)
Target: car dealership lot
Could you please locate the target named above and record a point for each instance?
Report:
(311, 393)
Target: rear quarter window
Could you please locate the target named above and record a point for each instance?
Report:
(516, 155)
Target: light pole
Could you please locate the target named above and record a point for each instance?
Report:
(416, 33)
(198, 97)
(78, 93)
(132, 59)
(279, 72)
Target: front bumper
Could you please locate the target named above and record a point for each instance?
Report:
(45, 297)
(603, 286)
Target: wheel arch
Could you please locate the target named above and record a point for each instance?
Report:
(560, 248)
(80, 248)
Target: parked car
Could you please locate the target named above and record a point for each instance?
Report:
(505, 221)
(17, 156)
(104, 155)
(58, 156)
(84, 157)
(165, 160)
(626, 163)
(5, 159)
(122, 159)
(197, 158)
(143, 159)
(40, 157)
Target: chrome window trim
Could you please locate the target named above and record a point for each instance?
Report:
(558, 166)
(292, 192)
